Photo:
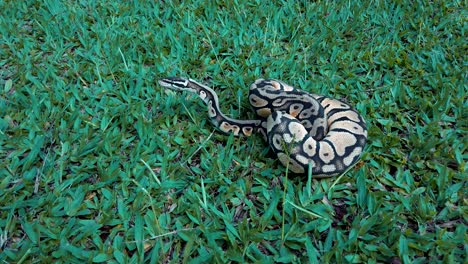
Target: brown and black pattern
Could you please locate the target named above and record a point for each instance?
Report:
(302, 128)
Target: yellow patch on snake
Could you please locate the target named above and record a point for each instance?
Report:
(264, 112)
(226, 127)
(277, 85)
(293, 165)
(326, 152)
(287, 87)
(247, 131)
(341, 140)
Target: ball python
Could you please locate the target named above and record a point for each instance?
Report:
(302, 128)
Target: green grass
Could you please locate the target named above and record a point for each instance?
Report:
(99, 163)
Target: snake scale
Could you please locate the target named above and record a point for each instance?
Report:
(302, 128)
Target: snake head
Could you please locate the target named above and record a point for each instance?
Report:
(174, 82)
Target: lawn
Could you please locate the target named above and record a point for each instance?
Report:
(98, 163)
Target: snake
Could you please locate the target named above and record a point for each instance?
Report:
(305, 130)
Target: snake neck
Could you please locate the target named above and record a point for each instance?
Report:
(219, 119)
(224, 123)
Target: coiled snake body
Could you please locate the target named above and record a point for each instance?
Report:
(302, 128)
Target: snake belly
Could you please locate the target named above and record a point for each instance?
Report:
(303, 129)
